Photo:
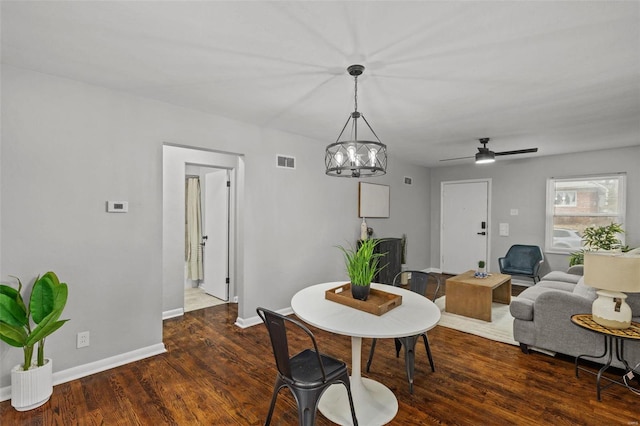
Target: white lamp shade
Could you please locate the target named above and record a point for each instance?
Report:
(614, 271)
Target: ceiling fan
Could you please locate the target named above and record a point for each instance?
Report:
(485, 155)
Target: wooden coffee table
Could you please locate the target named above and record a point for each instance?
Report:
(472, 297)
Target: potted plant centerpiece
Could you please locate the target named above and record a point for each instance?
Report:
(481, 272)
(25, 326)
(362, 266)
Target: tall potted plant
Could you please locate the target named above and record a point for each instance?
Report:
(25, 327)
(599, 238)
(362, 266)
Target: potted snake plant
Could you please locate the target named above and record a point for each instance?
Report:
(26, 327)
(362, 265)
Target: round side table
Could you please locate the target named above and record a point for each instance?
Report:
(613, 339)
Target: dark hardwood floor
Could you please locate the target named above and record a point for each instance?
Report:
(215, 373)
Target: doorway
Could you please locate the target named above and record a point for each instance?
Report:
(207, 237)
(464, 224)
(175, 160)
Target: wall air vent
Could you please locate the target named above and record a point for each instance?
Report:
(408, 180)
(285, 162)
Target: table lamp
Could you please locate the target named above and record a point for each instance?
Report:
(612, 273)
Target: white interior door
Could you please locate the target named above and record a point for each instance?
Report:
(216, 228)
(464, 225)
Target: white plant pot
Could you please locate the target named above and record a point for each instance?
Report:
(32, 388)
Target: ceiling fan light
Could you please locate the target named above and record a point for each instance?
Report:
(485, 157)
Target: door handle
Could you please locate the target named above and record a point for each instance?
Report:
(482, 233)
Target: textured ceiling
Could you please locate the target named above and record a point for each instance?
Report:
(560, 76)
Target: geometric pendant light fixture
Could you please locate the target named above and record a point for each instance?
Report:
(351, 156)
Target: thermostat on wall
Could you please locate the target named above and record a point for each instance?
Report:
(117, 206)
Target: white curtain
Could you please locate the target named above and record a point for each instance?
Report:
(193, 230)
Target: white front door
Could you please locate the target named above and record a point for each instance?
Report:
(216, 229)
(464, 225)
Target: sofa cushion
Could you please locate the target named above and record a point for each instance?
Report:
(576, 270)
(557, 285)
(581, 289)
(561, 276)
(521, 306)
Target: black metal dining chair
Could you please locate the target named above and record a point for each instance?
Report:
(307, 374)
(418, 284)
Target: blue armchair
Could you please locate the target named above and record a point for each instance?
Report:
(522, 260)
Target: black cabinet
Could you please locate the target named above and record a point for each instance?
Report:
(392, 250)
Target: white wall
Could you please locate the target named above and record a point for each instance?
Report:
(521, 184)
(68, 147)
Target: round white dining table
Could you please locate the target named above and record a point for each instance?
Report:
(374, 403)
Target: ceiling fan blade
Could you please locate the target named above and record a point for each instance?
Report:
(457, 158)
(518, 151)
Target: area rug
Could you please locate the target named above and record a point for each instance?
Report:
(499, 329)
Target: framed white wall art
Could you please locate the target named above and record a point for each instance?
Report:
(373, 200)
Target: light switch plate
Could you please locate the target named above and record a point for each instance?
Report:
(504, 229)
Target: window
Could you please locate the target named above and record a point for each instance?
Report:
(576, 203)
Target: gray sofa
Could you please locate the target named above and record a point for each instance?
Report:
(542, 317)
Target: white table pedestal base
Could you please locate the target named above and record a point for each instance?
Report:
(374, 403)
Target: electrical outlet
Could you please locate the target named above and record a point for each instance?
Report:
(82, 339)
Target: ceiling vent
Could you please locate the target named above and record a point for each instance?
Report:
(285, 162)
(408, 180)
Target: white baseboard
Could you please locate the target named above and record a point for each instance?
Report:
(249, 322)
(80, 371)
(172, 313)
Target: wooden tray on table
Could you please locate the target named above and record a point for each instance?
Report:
(379, 302)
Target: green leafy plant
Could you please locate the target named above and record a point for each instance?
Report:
(599, 238)
(362, 263)
(25, 326)
(481, 264)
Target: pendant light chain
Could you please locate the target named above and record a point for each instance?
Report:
(355, 108)
(355, 95)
